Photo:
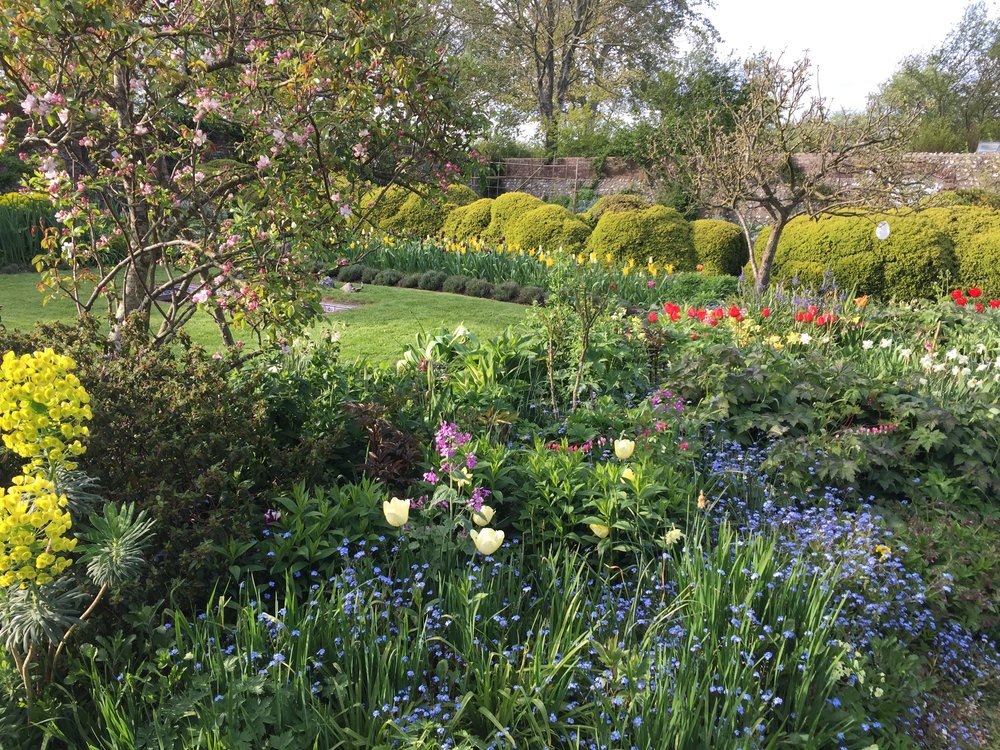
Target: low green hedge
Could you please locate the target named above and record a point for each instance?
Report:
(549, 227)
(657, 232)
(720, 246)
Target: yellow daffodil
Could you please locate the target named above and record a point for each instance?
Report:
(397, 512)
(487, 541)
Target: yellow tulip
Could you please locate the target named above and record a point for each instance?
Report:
(483, 516)
(624, 449)
(397, 512)
(600, 530)
(487, 541)
(628, 475)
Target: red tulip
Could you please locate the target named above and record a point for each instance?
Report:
(653, 317)
(975, 292)
(766, 312)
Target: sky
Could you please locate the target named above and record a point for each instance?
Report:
(854, 45)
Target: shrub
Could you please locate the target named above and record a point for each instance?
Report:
(658, 232)
(410, 281)
(22, 221)
(479, 288)
(977, 197)
(388, 277)
(508, 291)
(351, 273)
(389, 201)
(467, 222)
(720, 246)
(506, 208)
(12, 169)
(417, 217)
(461, 195)
(700, 289)
(914, 262)
(455, 284)
(975, 230)
(368, 274)
(614, 204)
(432, 281)
(531, 294)
(549, 227)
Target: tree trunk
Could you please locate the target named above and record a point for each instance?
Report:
(140, 277)
(766, 261)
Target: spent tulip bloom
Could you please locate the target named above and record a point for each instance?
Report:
(624, 449)
(600, 530)
(487, 541)
(397, 512)
(483, 516)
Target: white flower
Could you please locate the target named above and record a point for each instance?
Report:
(673, 536)
(624, 449)
(951, 354)
(927, 361)
(963, 359)
(905, 353)
(487, 541)
(805, 338)
(483, 516)
(397, 512)
(885, 343)
(867, 344)
(980, 348)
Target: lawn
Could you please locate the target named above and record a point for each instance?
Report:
(385, 321)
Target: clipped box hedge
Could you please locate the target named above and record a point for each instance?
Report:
(720, 246)
(615, 203)
(550, 227)
(916, 261)
(468, 222)
(504, 210)
(657, 232)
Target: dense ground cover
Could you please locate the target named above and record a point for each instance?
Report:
(759, 524)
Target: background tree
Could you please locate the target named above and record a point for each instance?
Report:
(744, 160)
(544, 58)
(955, 88)
(207, 151)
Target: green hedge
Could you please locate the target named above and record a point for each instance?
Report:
(505, 209)
(549, 227)
(468, 222)
(658, 232)
(916, 261)
(614, 204)
(974, 231)
(22, 218)
(424, 216)
(720, 246)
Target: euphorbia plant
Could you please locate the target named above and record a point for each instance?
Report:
(202, 152)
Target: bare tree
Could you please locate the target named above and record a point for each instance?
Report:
(784, 154)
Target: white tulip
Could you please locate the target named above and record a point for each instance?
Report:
(487, 541)
(397, 512)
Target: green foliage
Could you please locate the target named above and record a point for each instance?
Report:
(23, 219)
(417, 217)
(658, 232)
(381, 204)
(461, 195)
(916, 261)
(548, 227)
(432, 281)
(410, 281)
(699, 289)
(455, 284)
(504, 210)
(388, 277)
(507, 291)
(720, 246)
(975, 230)
(614, 203)
(479, 288)
(12, 170)
(979, 197)
(469, 221)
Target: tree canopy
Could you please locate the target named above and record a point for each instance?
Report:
(955, 88)
(206, 152)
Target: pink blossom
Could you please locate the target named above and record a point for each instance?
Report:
(263, 162)
(202, 295)
(346, 211)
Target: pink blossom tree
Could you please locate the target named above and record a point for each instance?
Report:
(208, 153)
